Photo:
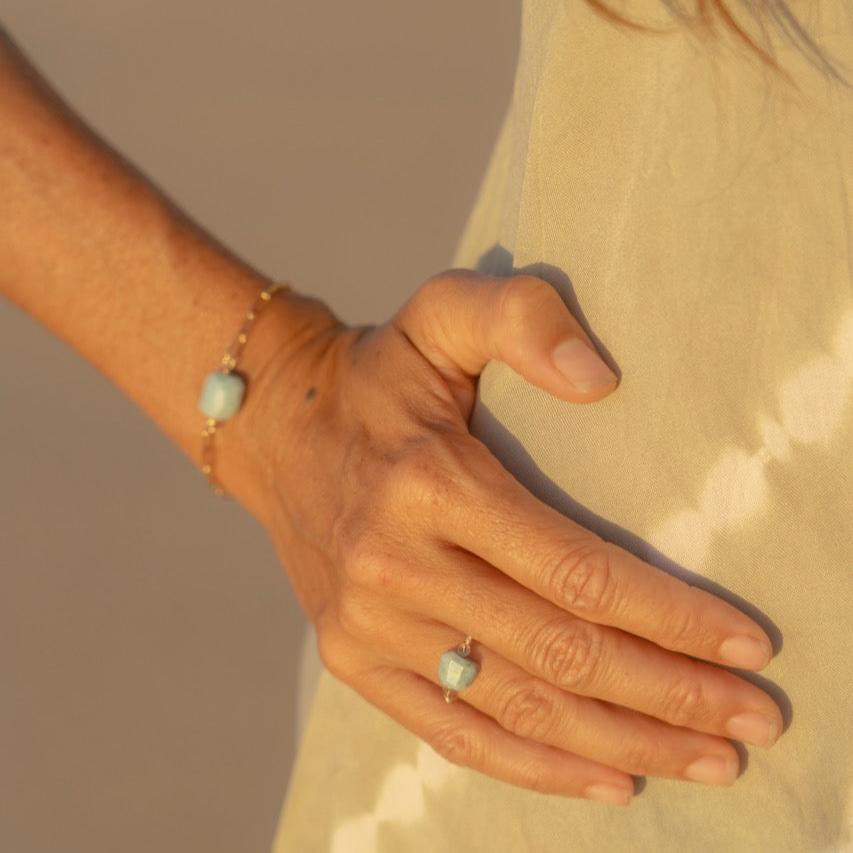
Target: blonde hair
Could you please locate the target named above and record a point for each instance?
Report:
(705, 15)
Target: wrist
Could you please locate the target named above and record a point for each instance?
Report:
(283, 352)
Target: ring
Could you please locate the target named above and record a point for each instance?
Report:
(456, 670)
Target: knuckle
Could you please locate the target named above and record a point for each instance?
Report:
(355, 618)
(428, 473)
(528, 711)
(682, 627)
(683, 702)
(524, 295)
(637, 756)
(537, 777)
(567, 656)
(415, 474)
(455, 745)
(582, 579)
(367, 564)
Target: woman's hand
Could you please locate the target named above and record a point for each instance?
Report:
(401, 533)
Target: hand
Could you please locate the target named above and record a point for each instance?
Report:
(401, 533)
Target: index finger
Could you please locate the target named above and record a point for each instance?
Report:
(578, 570)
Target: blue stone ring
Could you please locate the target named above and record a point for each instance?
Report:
(456, 670)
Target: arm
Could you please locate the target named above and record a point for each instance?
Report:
(97, 254)
(399, 530)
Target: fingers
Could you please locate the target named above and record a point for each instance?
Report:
(460, 319)
(533, 710)
(587, 658)
(468, 738)
(501, 522)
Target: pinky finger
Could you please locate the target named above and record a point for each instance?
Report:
(469, 738)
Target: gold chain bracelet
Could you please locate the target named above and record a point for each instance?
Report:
(223, 389)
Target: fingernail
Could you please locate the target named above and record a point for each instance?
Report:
(713, 770)
(608, 793)
(581, 365)
(754, 728)
(746, 652)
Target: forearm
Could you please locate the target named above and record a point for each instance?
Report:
(94, 252)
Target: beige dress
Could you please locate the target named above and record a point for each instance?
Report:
(695, 211)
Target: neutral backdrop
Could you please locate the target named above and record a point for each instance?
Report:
(148, 637)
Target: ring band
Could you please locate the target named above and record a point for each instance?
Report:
(456, 670)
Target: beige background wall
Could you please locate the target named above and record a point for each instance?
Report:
(148, 639)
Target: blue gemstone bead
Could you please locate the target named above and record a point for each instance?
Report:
(455, 671)
(221, 395)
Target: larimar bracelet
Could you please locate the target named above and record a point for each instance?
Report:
(223, 390)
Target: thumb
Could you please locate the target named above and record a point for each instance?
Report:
(460, 319)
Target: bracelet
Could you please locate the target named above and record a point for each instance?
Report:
(223, 390)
